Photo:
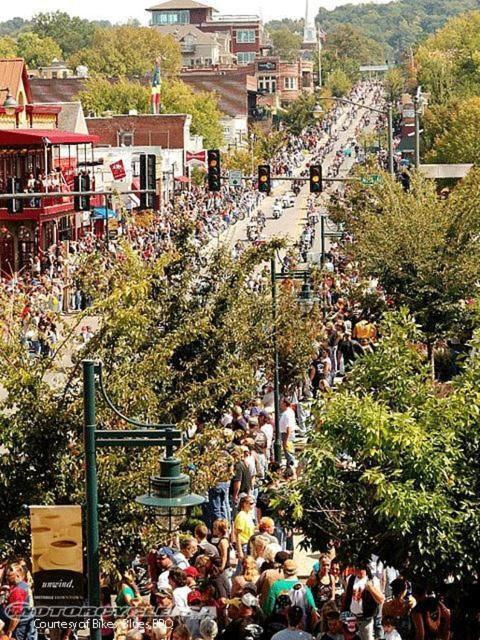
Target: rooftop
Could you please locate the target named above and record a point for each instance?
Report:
(179, 4)
(179, 31)
(12, 72)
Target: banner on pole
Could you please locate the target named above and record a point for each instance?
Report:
(118, 170)
(57, 557)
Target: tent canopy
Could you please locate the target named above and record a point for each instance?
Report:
(42, 137)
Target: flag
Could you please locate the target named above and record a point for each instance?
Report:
(321, 34)
(156, 87)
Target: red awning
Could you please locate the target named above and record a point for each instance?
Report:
(41, 137)
(182, 179)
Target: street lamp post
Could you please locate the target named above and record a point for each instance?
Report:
(305, 299)
(317, 111)
(9, 104)
(277, 447)
(168, 492)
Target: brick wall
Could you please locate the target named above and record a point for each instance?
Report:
(148, 130)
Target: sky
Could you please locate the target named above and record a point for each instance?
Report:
(120, 11)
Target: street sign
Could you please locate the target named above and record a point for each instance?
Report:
(370, 180)
(234, 178)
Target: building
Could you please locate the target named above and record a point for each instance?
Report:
(125, 137)
(42, 158)
(280, 82)
(244, 31)
(57, 69)
(201, 49)
(237, 95)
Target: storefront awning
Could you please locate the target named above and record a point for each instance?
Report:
(42, 137)
(182, 179)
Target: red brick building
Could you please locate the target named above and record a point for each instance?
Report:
(245, 31)
(280, 82)
(166, 131)
(41, 158)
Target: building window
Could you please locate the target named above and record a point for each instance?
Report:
(291, 84)
(267, 84)
(246, 36)
(246, 57)
(125, 139)
(163, 18)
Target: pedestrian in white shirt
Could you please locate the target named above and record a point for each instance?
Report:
(287, 426)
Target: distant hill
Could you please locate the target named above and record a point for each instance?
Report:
(397, 25)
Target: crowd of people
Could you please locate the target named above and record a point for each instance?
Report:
(239, 574)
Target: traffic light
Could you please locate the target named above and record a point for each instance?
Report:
(214, 170)
(316, 185)
(14, 205)
(148, 179)
(264, 179)
(81, 183)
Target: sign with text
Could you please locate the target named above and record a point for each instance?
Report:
(57, 558)
(235, 178)
(118, 170)
(196, 156)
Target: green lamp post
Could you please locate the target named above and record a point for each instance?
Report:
(169, 492)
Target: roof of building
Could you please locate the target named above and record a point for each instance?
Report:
(180, 4)
(12, 72)
(71, 117)
(56, 89)
(38, 137)
(231, 89)
(181, 30)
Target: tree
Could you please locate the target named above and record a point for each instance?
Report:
(178, 97)
(100, 95)
(176, 344)
(338, 83)
(37, 51)
(424, 251)
(396, 26)
(458, 142)
(394, 84)
(286, 44)
(70, 33)
(449, 62)
(8, 47)
(129, 51)
(388, 470)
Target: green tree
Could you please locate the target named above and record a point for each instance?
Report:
(394, 84)
(8, 47)
(100, 95)
(178, 97)
(37, 51)
(70, 33)
(388, 470)
(130, 51)
(338, 83)
(424, 251)
(286, 44)
(458, 142)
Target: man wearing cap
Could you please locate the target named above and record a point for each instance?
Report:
(290, 584)
(247, 615)
(164, 603)
(164, 564)
(294, 630)
(268, 577)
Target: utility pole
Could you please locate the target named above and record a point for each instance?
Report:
(417, 132)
